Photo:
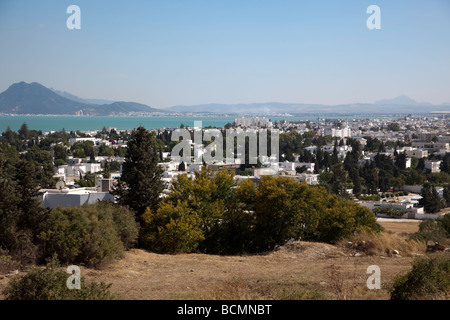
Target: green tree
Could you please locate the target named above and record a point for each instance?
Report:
(79, 153)
(208, 195)
(300, 169)
(421, 165)
(397, 183)
(446, 195)
(276, 211)
(105, 150)
(393, 126)
(445, 164)
(339, 183)
(24, 132)
(413, 177)
(236, 229)
(9, 135)
(60, 152)
(210, 213)
(400, 160)
(174, 228)
(82, 149)
(22, 215)
(140, 184)
(431, 200)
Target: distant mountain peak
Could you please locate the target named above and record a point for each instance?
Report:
(34, 98)
(402, 100)
(73, 97)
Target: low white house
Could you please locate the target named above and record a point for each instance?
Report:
(309, 178)
(82, 168)
(291, 166)
(310, 166)
(417, 153)
(169, 166)
(65, 198)
(287, 166)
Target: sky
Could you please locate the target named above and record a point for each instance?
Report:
(184, 52)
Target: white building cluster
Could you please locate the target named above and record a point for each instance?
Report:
(254, 122)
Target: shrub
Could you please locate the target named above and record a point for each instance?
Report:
(430, 230)
(7, 264)
(50, 283)
(444, 223)
(124, 223)
(90, 234)
(429, 278)
(390, 211)
(374, 197)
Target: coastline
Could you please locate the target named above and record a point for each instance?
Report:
(47, 123)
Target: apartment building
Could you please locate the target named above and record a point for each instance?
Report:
(433, 165)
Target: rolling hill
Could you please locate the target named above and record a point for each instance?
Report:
(34, 98)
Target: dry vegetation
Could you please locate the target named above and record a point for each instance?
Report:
(297, 270)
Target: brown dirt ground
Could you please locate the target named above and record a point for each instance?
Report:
(297, 270)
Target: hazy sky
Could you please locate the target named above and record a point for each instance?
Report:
(171, 52)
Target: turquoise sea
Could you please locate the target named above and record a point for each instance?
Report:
(68, 123)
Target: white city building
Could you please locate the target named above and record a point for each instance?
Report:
(335, 132)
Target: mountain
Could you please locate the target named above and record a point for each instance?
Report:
(401, 105)
(78, 99)
(34, 98)
(268, 107)
(125, 107)
(402, 100)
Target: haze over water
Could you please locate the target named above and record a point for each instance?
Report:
(57, 123)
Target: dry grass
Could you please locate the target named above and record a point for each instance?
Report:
(396, 236)
(384, 244)
(236, 288)
(239, 288)
(401, 227)
(297, 270)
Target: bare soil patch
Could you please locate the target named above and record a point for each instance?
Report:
(297, 270)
